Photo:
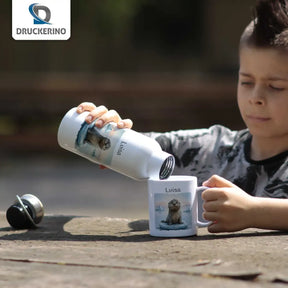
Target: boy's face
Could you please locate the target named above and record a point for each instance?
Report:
(263, 91)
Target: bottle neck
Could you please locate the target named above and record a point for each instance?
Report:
(161, 165)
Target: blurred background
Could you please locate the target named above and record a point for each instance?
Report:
(165, 64)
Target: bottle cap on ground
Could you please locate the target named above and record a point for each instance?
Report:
(26, 212)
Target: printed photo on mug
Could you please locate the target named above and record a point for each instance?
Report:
(173, 212)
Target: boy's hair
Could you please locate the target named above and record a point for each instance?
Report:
(269, 28)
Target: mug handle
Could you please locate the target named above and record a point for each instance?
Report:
(202, 222)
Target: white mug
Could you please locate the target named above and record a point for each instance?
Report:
(175, 206)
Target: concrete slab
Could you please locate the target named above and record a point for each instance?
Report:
(73, 251)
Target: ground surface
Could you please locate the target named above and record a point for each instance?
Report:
(112, 247)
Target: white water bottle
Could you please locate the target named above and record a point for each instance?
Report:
(123, 150)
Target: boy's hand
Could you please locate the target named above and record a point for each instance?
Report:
(103, 115)
(226, 205)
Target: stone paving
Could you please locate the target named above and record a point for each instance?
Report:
(67, 251)
(112, 247)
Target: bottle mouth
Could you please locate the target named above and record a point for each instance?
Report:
(167, 168)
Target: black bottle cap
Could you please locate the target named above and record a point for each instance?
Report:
(17, 217)
(26, 212)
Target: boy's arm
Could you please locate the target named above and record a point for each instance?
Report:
(231, 209)
(270, 213)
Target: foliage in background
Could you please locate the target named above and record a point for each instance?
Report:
(109, 35)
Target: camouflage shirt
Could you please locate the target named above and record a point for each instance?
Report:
(218, 150)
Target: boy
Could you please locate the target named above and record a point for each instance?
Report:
(252, 163)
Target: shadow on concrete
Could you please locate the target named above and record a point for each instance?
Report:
(52, 229)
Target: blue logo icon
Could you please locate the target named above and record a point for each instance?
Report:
(34, 11)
